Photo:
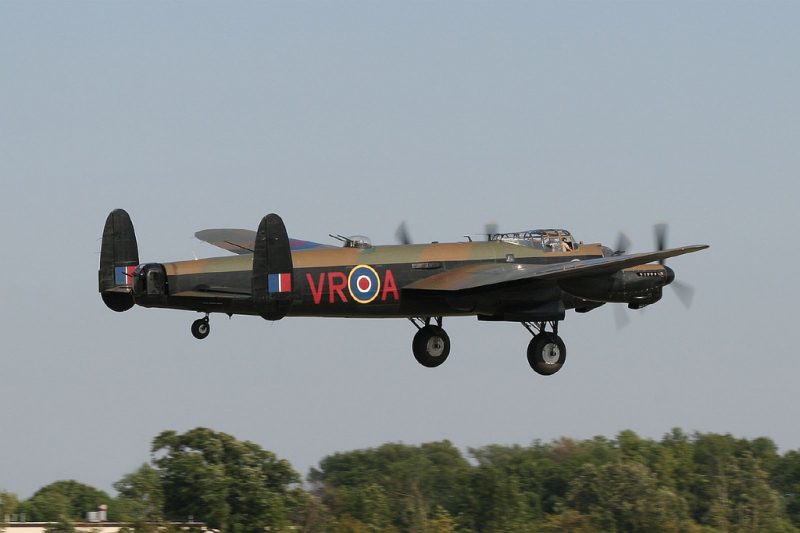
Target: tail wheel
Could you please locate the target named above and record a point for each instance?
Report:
(431, 346)
(201, 328)
(546, 353)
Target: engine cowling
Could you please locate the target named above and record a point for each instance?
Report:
(638, 286)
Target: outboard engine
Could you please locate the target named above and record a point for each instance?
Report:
(637, 286)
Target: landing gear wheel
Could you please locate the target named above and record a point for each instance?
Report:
(431, 346)
(546, 353)
(201, 328)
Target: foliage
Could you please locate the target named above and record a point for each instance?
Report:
(141, 497)
(8, 504)
(624, 496)
(397, 485)
(698, 483)
(233, 485)
(62, 525)
(786, 480)
(65, 500)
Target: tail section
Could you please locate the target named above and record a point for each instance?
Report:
(119, 256)
(273, 272)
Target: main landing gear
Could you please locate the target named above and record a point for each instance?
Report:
(431, 344)
(546, 351)
(201, 327)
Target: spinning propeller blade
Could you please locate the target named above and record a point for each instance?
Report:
(660, 231)
(621, 317)
(684, 292)
(402, 235)
(490, 228)
(623, 244)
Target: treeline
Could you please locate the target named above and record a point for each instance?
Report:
(702, 482)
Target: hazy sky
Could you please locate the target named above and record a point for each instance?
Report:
(350, 118)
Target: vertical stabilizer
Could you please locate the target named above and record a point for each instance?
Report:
(273, 272)
(119, 256)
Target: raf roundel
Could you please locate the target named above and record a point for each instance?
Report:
(363, 283)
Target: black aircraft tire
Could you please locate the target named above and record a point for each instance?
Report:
(201, 328)
(546, 353)
(431, 346)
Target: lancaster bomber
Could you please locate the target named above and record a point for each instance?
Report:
(532, 277)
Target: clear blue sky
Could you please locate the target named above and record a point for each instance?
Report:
(349, 118)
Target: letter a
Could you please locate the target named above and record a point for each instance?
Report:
(389, 286)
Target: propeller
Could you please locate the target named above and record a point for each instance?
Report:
(623, 244)
(490, 228)
(402, 235)
(660, 231)
(621, 316)
(683, 291)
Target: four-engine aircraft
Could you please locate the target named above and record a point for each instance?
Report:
(531, 277)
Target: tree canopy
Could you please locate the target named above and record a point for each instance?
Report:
(703, 482)
(64, 500)
(232, 485)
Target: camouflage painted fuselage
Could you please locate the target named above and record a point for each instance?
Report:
(368, 282)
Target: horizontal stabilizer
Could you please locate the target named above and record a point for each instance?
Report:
(243, 241)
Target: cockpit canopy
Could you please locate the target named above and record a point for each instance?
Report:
(549, 240)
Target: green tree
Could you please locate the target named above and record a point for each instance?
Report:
(731, 486)
(233, 485)
(415, 481)
(499, 503)
(141, 497)
(742, 499)
(625, 496)
(8, 506)
(62, 525)
(310, 514)
(65, 500)
(786, 480)
(567, 521)
(543, 471)
(675, 465)
(441, 522)
(367, 503)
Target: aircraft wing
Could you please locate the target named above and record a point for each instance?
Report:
(242, 241)
(490, 276)
(217, 294)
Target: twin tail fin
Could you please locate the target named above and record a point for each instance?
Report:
(119, 257)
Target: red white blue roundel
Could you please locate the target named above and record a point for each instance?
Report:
(363, 283)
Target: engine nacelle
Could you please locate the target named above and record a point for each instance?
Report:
(637, 286)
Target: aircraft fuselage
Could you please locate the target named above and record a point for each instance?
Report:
(352, 282)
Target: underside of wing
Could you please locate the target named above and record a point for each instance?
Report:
(493, 275)
(220, 294)
(242, 241)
